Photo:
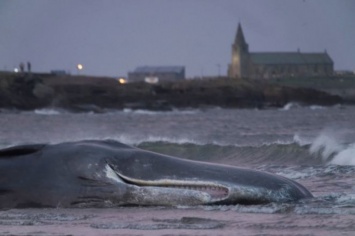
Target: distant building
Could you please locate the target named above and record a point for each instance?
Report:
(247, 64)
(156, 74)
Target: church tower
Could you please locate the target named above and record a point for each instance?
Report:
(240, 56)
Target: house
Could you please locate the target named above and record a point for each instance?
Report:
(256, 65)
(156, 74)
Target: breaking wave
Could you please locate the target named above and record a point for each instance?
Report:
(325, 149)
(294, 105)
(332, 150)
(48, 111)
(276, 153)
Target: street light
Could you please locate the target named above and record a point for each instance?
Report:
(122, 80)
(79, 67)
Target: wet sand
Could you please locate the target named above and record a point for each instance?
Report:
(168, 221)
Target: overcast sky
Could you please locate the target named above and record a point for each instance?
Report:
(113, 37)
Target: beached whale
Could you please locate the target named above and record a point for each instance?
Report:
(108, 173)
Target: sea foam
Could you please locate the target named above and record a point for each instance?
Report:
(47, 111)
(333, 150)
(345, 157)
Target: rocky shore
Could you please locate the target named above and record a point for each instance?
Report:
(84, 93)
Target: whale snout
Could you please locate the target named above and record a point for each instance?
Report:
(158, 177)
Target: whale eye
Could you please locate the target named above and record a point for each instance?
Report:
(20, 150)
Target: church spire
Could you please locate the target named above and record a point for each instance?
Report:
(239, 38)
(239, 42)
(240, 56)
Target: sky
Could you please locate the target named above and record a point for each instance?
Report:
(113, 37)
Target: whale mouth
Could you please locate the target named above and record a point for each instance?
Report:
(216, 192)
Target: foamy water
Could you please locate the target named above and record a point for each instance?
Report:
(333, 150)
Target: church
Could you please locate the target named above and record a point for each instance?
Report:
(264, 65)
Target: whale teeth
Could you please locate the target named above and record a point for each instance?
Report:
(216, 192)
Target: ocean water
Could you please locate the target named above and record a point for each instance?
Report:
(312, 145)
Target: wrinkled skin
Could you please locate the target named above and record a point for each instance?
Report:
(108, 173)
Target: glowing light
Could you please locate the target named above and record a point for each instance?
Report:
(80, 66)
(16, 70)
(122, 80)
(151, 80)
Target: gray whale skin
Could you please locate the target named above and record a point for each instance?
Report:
(108, 173)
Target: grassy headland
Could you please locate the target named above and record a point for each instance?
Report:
(342, 85)
(96, 93)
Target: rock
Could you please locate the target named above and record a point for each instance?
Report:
(42, 91)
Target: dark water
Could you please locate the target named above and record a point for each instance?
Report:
(312, 145)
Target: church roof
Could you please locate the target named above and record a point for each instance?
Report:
(283, 58)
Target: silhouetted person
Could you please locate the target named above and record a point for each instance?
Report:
(29, 67)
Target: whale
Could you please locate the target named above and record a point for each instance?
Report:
(106, 173)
